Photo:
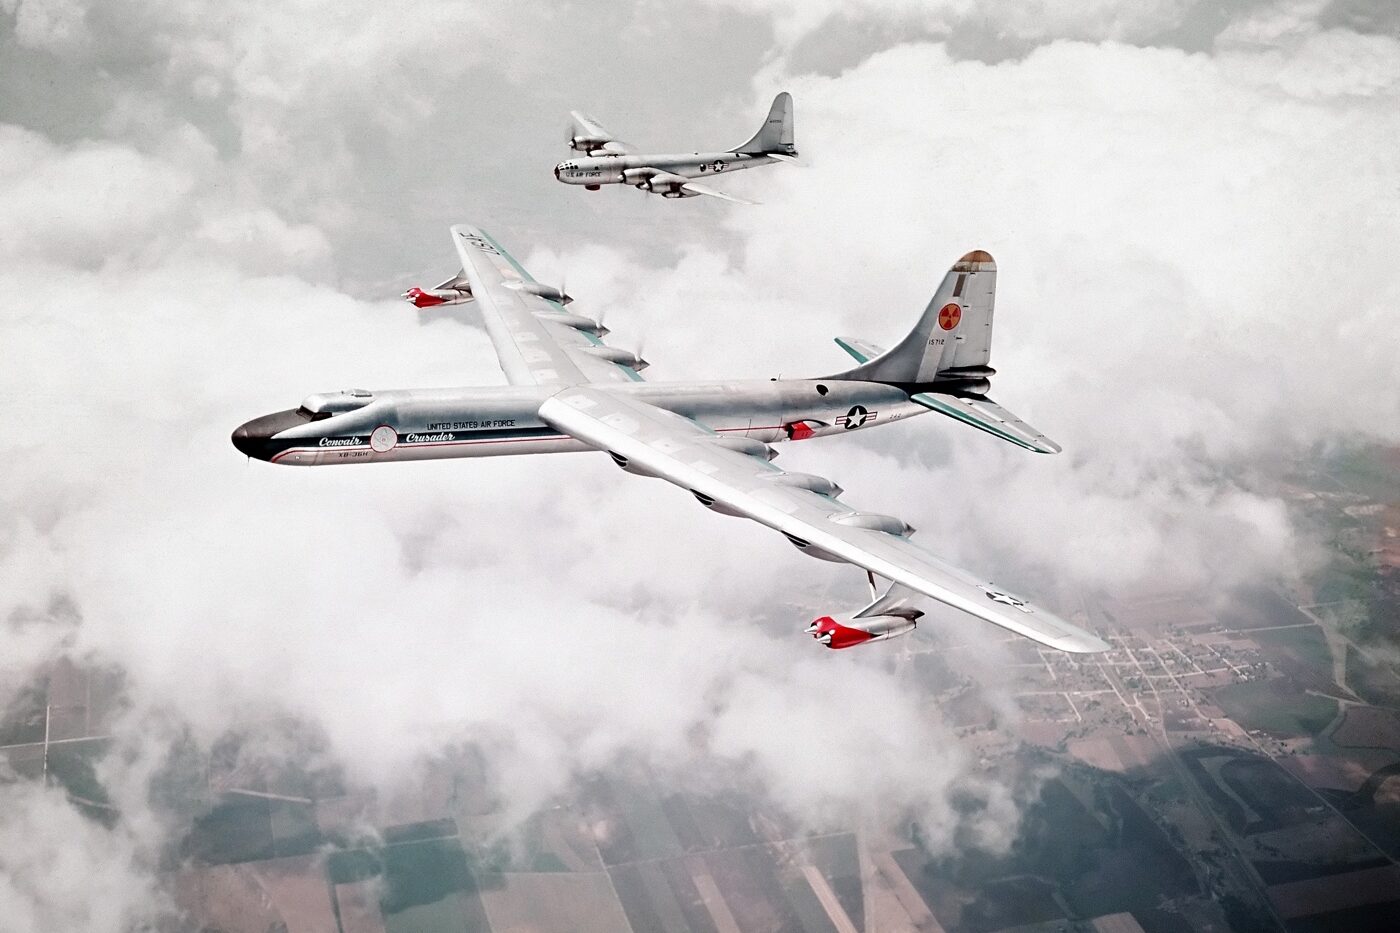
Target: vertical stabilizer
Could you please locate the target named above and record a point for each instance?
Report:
(775, 135)
(953, 334)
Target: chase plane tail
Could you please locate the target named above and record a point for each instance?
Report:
(775, 136)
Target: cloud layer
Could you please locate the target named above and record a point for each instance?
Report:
(1195, 276)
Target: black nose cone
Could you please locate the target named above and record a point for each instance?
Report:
(257, 438)
(244, 442)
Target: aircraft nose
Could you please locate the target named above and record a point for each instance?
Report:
(255, 438)
(243, 440)
(556, 171)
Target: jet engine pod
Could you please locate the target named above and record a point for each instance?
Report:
(847, 632)
(432, 297)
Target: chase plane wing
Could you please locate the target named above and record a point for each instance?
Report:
(537, 341)
(726, 474)
(599, 140)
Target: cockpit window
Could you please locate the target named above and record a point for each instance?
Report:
(310, 415)
(325, 404)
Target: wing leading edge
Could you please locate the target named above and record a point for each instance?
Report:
(537, 341)
(802, 507)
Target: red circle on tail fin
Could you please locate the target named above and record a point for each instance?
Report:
(949, 316)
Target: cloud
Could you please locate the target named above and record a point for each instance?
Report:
(1195, 276)
(60, 870)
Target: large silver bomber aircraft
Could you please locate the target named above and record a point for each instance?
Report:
(608, 161)
(569, 391)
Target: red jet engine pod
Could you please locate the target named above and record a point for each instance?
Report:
(432, 297)
(845, 632)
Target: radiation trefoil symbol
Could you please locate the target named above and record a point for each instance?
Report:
(949, 316)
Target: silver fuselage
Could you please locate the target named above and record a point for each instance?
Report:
(633, 169)
(432, 424)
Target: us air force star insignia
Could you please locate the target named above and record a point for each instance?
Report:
(1015, 602)
(857, 416)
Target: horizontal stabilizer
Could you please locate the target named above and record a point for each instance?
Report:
(862, 350)
(691, 187)
(986, 415)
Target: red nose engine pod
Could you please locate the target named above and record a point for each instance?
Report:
(846, 632)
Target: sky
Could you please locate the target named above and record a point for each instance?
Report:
(207, 210)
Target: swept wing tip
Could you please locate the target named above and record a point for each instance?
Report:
(1085, 644)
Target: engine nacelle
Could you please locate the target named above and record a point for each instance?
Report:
(577, 322)
(432, 297)
(547, 292)
(587, 144)
(810, 481)
(666, 184)
(620, 357)
(847, 632)
(875, 522)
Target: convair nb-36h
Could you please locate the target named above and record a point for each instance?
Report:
(569, 391)
(608, 161)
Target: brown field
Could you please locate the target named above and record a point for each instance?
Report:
(1333, 771)
(297, 888)
(584, 902)
(1368, 727)
(1117, 753)
(1336, 892)
(359, 906)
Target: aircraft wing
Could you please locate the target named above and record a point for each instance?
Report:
(537, 341)
(805, 508)
(697, 188)
(600, 141)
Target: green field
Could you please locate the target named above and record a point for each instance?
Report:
(1275, 707)
(1306, 643)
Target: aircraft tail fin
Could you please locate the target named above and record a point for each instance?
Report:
(944, 359)
(775, 135)
(953, 338)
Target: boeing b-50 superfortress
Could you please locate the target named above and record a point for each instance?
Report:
(608, 161)
(570, 391)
